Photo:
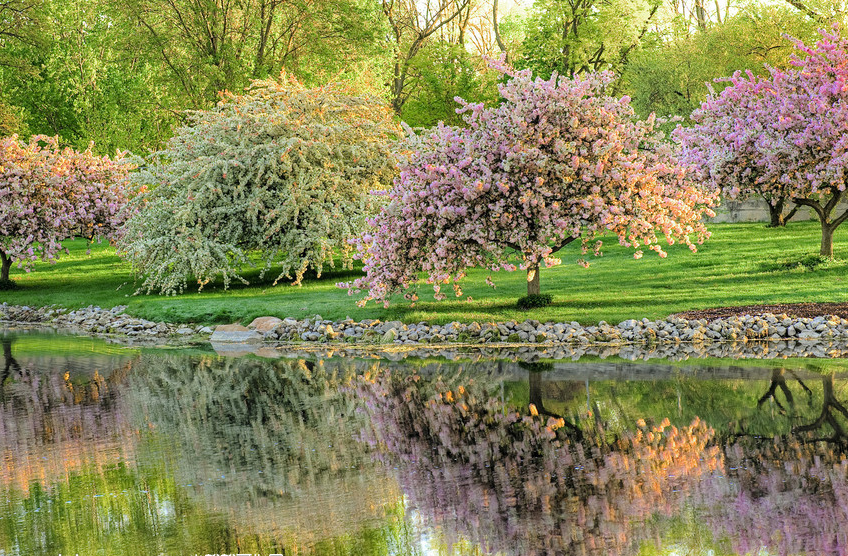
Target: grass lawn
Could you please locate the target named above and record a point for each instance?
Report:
(742, 264)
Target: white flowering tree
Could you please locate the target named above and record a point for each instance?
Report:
(277, 177)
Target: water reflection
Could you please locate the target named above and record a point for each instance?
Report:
(273, 444)
(530, 483)
(123, 452)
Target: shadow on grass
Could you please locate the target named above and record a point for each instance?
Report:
(252, 276)
(812, 263)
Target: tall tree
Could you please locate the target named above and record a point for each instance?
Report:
(581, 36)
(88, 81)
(669, 75)
(21, 22)
(412, 23)
(210, 45)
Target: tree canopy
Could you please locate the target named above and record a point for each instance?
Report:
(780, 136)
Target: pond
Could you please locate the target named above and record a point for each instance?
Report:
(110, 450)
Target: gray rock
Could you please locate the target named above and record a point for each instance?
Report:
(232, 333)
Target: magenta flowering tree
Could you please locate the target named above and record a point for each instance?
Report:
(781, 136)
(557, 161)
(49, 194)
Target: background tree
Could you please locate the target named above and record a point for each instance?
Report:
(443, 72)
(210, 45)
(557, 161)
(411, 24)
(88, 80)
(20, 23)
(570, 37)
(49, 194)
(282, 173)
(780, 136)
(669, 74)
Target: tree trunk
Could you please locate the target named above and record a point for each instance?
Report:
(6, 267)
(827, 239)
(776, 214)
(776, 217)
(497, 30)
(533, 285)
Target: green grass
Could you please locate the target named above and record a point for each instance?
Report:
(743, 264)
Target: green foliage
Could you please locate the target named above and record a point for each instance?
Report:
(11, 122)
(280, 176)
(446, 71)
(85, 81)
(669, 75)
(572, 38)
(533, 301)
(205, 46)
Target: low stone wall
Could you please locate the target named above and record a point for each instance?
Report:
(820, 336)
(755, 209)
(94, 320)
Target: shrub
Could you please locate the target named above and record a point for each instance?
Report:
(534, 301)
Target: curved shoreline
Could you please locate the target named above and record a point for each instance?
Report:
(761, 336)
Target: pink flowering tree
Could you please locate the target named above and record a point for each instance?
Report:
(557, 161)
(781, 136)
(49, 194)
(731, 145)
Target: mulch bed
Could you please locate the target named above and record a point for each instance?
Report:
(797, 310)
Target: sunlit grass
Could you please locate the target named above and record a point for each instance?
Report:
(742, 264)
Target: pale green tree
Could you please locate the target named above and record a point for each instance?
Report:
(206, 46)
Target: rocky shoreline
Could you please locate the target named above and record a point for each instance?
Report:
(671, 332)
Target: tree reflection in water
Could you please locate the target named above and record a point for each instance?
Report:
(52, 423)
(191, 454)
(272, 442)
(522, 482)
(788, 492)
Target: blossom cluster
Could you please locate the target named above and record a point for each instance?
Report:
(557, 161)
(49, 194)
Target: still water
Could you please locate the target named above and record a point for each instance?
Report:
(117, 451)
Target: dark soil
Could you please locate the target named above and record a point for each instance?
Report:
(797, 310)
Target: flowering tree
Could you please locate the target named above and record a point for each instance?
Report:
(48, 194)
(557, 161)
(730, 143)
(281, 174)
(780, 136)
